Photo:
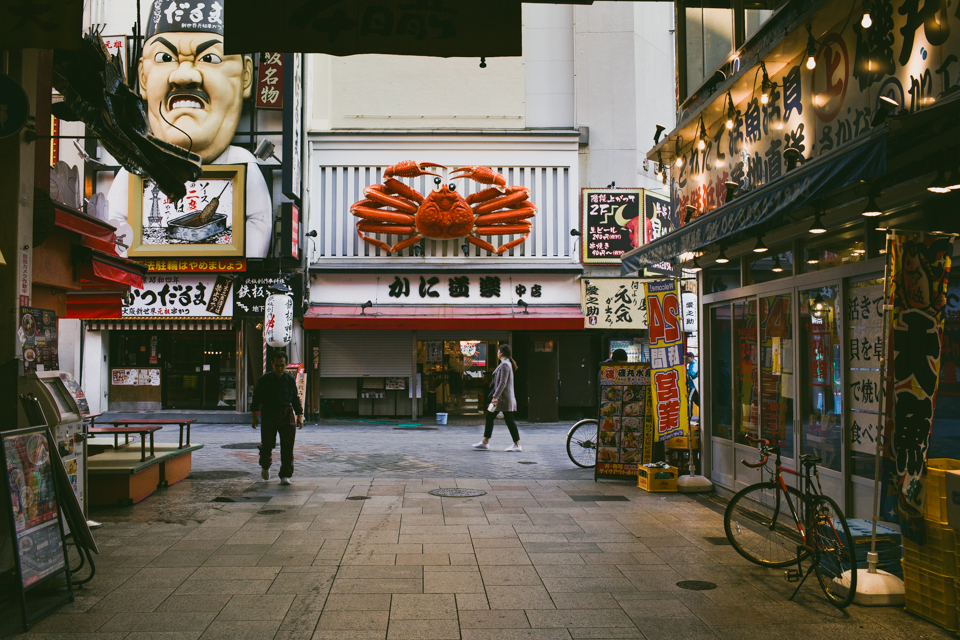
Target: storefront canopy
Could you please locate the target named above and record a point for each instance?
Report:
(94, 233)
(94, 304)
(424, 318)
(103, 271)
(801, 187)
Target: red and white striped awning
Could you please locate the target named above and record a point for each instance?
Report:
(136, 324)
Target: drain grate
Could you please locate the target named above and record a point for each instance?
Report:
(241, 445)
(241, 499)
(457, 493)
(696, 585)
(217, 475)
(270, 512)
(599, 498)
(358, 497)
(526, 462)
(717, 540)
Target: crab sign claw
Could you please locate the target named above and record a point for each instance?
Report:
(412, 169)
(483, 175)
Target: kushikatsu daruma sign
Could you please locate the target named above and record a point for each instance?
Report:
(910, 55)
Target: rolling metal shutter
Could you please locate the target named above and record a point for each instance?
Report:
(486, 336)
(352, 354)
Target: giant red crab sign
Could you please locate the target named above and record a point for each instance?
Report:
(394, 208)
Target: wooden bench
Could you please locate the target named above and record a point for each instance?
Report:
(126, 431)
(158, 422)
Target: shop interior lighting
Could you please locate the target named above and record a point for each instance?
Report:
(885, 106)
(811, 49)
(776, 265)
(722, 258)
(760, 247)
(731, 112)
(866, 21)
(818, 307)
(871, 210)
(701, 142)
(817, 226)
(940, 184)
(766, 86)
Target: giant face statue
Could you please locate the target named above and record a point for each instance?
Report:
(194, 92)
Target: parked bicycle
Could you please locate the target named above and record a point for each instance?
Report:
(582, 443)
(775, 525)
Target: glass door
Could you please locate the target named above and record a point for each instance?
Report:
(457, 374)
(182, 383)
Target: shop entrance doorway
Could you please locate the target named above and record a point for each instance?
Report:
(201, 371)
(456, 374)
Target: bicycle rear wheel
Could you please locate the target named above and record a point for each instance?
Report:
(760, 526)
(582, 443)
(836, 559)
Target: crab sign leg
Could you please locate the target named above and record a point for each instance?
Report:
(369, 213)
(377, 193)
(412, 169)
(483, 244)
(376, 227)
(483, 175)
(494, 192)
(513, 215)
(507, 201)
(399, 188)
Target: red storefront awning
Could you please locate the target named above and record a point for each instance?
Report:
(110, 271)
(95, 233)
(425, 318)
(94, 304)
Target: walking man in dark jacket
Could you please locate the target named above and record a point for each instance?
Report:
(275, 396)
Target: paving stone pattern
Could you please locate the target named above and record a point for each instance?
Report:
(523, 562)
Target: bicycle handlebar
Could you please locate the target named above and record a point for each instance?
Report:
(764, 443)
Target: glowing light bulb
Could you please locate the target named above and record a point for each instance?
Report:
(701, 145)
(866, 22)
(811, 63)
(679, 161)
(764, 98)
(729, 123)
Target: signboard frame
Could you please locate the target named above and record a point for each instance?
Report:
(48, 470)
(620, 229)
(622, 376)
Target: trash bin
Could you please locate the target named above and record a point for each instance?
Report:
(441, 418)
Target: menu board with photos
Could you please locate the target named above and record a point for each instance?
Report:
(38, 336)
(625, 424)
(33, 500)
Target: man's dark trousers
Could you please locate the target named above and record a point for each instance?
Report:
(282, 421)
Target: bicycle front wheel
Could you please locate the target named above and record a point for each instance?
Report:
(835, 559)
(582, 443)
(761, 527)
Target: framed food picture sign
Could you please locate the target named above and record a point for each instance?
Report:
(208, 221)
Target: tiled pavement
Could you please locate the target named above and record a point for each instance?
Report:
(524, 562)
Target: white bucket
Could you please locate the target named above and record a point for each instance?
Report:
(442, 418)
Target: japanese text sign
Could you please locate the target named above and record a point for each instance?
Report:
(665, 332)
(613, 303)
(270, 81)
(625, 425)
(195, 265)
(862, 313)
(612, 223)
(173, 296)
(251, 292)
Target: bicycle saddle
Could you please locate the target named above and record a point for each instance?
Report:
(810, 460)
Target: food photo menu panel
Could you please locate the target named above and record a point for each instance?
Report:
(625, 429)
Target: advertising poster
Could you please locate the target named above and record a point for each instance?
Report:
(612, 223)
(862, 315)
(203, 216)
(613, 303)
(33, 498)
(625, 426)
(172, 296)
(667, 372)
(76, 391)
(38, 335)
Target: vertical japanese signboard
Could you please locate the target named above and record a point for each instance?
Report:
(613, 303)
(658, 219)
(920, 268)
(625, 425)
(668, 377)
(862, 312)
(270, 81)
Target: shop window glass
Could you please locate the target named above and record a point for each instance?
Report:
(776, 371)
(721, 361)
(862, 337)
(754, 19)
(821, 398)
(721, 277)
(769, 266)
(637, 349)
(745, 388)
(945, 438)
(709, 43)
(457, 374)
(834, 250)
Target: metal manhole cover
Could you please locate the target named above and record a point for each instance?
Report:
(358, 498)
(457, 493)
(415, 428)
(599, 498)
(526, 462)
(696, 585)
(217, 475)
(717, 540)
(241, 499)
(270, 512)
(241, 445)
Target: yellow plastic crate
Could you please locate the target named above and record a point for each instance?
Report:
(935, 502)
(657, 479)
(931, 596)
(938, 554)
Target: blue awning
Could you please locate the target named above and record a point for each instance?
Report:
(815, 179)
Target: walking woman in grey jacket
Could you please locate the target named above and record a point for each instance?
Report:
(502, 399)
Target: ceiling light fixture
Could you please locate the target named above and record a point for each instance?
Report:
(696, 264)
(776, 265)
(817, 226)
(871, 210)
(722, 258)
(811, 49)
(760, 247)
(731, 190)
(940, 184)
(701, 142)
(679, 160)
(731, 112)
(690, 211)
(766, 86)
(866, 21)
(955, 180)
(885, 106)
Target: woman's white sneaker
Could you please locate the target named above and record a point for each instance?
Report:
(513, 448)
(480, 445)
